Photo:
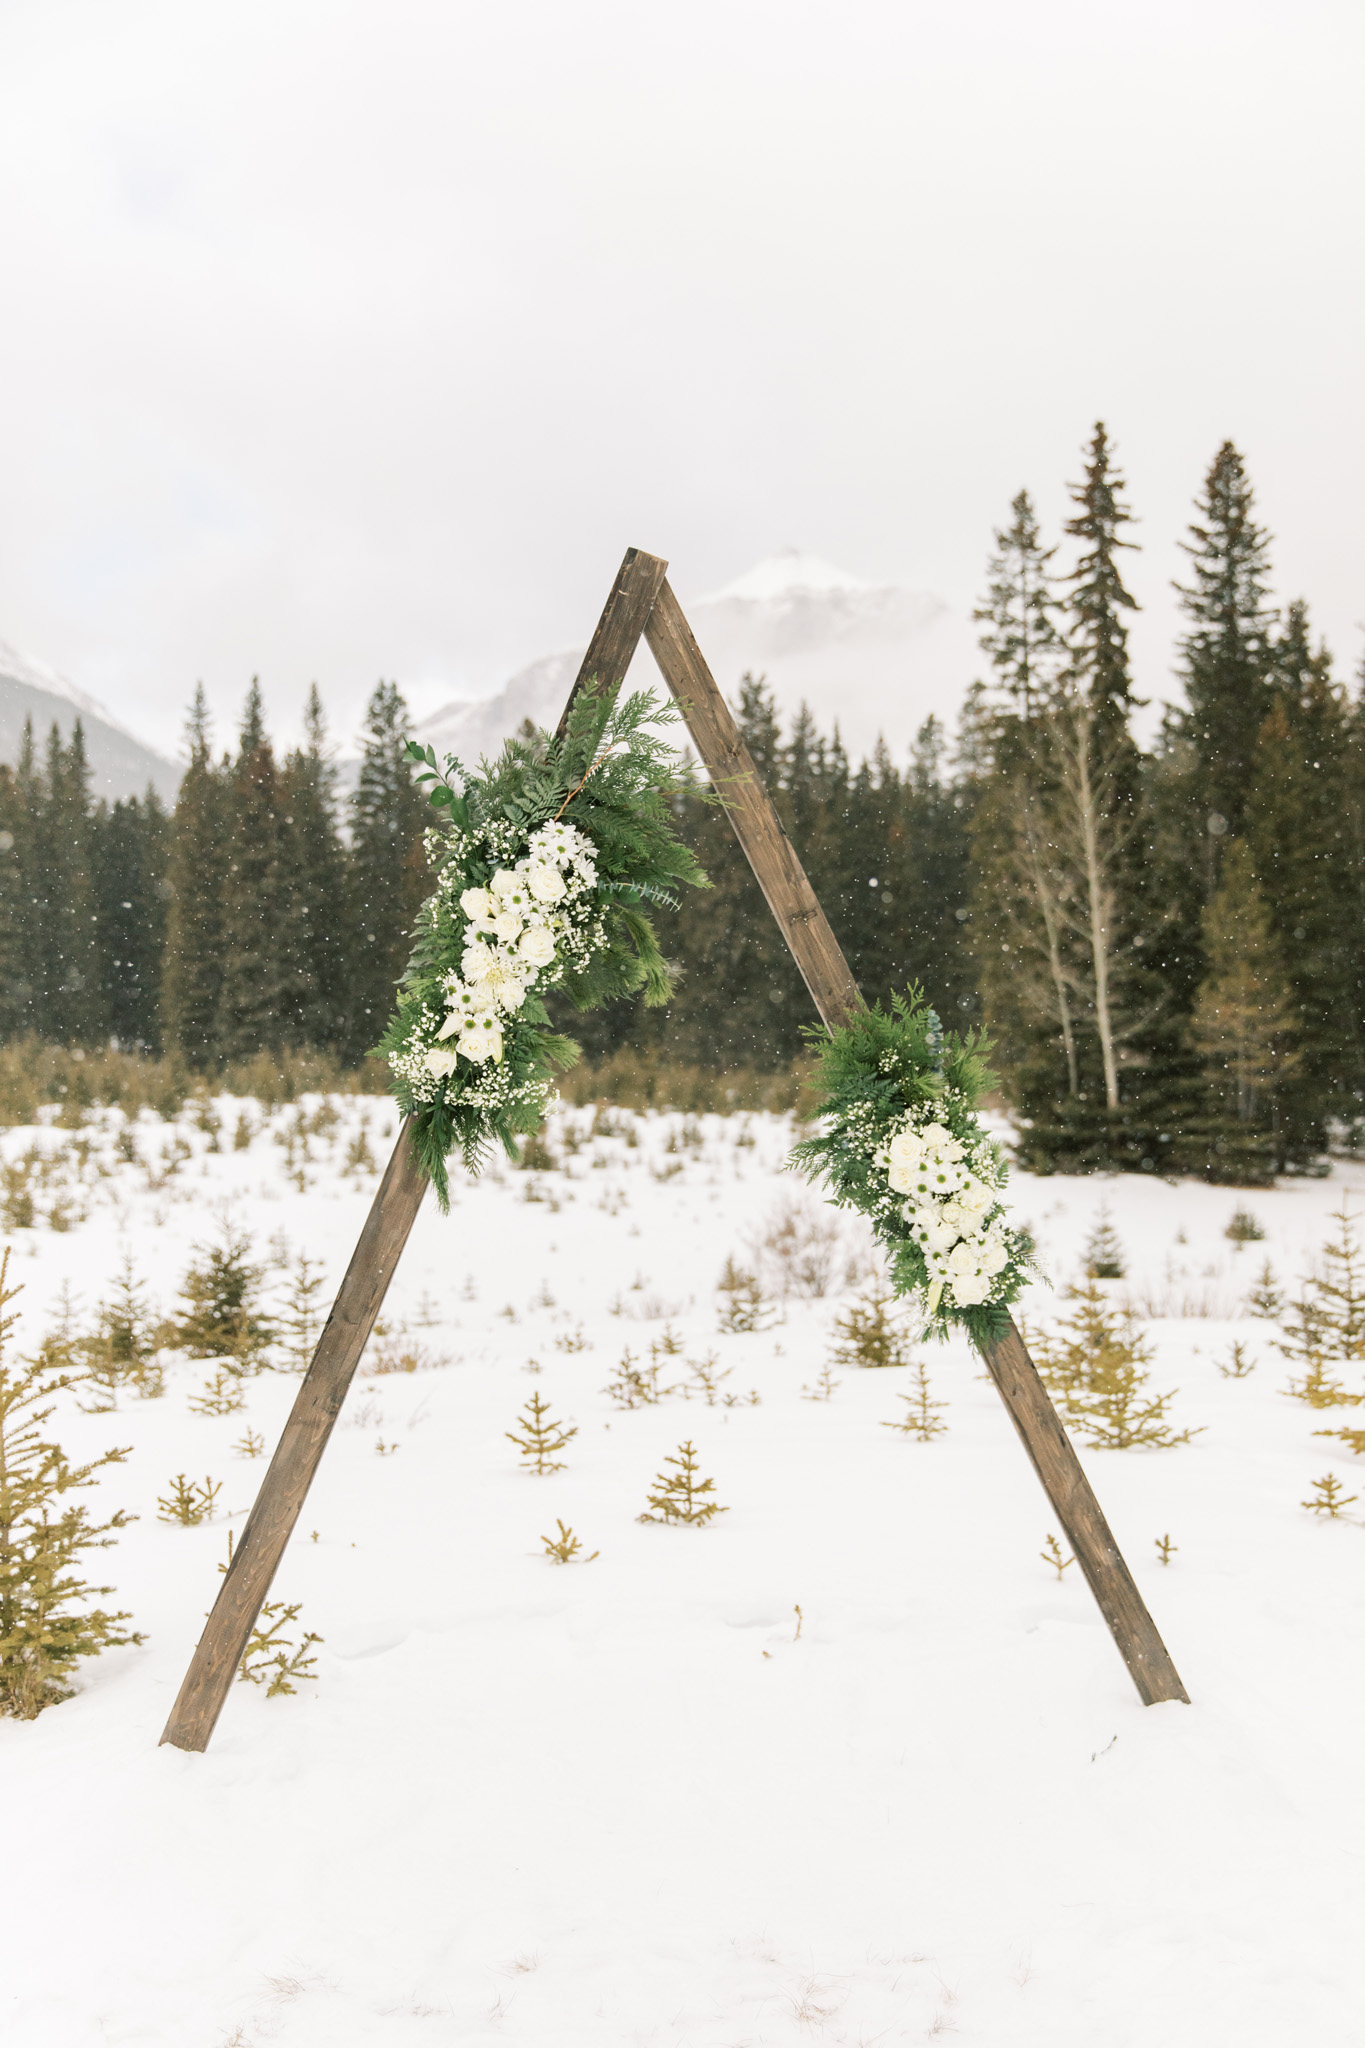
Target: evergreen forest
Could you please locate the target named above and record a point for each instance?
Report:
(1162, 940)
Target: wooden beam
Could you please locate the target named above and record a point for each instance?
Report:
(835, 994)
(291, 1472)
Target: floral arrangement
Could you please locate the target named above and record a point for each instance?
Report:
(545, 865)
(901, 1141)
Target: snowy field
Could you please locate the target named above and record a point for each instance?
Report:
(626, 1800)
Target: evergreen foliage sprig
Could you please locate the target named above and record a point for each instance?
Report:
(892, 1072)
(608, 780)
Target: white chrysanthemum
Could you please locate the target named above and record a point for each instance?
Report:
(477, 905)
(440, 1061)
(545, 883)
(478, 962)
(537, 946)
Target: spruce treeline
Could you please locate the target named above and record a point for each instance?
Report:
(261, 914)
(1163, 940)
(886, 849)
(1166, 941)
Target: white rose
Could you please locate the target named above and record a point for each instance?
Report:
(537, 946)
(975, 1196)
(932, 1231)
(934, 1136)
(903, 1178)
(440, 1061)
(970, 1290)
(505, 883)
(483, 1041)
(477, 905)
(545, 883)
(905, 1149)
(507, 925)
(964, 1258)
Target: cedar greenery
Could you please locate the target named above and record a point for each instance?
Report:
(611, 776)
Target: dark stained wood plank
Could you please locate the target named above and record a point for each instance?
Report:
(835, 995)
(284, 1489)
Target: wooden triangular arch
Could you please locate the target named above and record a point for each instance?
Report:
(641, 603)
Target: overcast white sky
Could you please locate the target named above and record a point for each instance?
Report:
(355, 337)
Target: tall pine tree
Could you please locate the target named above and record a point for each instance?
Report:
(1226, 657)
(387, 867)
(197, 885)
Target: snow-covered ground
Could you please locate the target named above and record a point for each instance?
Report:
(625, 1801)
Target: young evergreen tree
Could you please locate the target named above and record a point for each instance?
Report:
(259, 993)
(1298, 810)
(62, 937)
(131, 847)
(1244, 1029)
(315, 859)
(1021, 638)
(1226, 658)
(197, 886)
(1098, 598)
(388, 874)
(16, 988)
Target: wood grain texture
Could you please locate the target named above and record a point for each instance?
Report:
(373, 1262)
(835, 994)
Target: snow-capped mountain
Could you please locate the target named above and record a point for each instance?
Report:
(873, 658)
(120, 765)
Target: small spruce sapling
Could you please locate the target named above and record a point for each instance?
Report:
(224, 1394)
(875, 1330)
(564, 1548)
(824, 1387)
(271, 1657)
(1266, 1298)
(1104, 1256)
(1325, 1328)
(921, 1418)
(542, 1437)
(1051, 1553)
(743, 1306)
(635, 1385)
(1244, 1229)
(1238, 1363)
(302, 1316)
(1095, 1366)
(222, 1291)
(250, 1445)
(706, 1379)
(680, 1496)
(121, 1353)
(188, 1502)
(1329, 1499)
(45, 1629)
(1165, 1549)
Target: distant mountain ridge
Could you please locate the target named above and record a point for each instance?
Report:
(119, 764)
(873, 658)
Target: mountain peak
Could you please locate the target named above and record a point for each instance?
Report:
(789, 569)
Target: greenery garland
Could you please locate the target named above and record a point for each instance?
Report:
(902, 1143)
(545, 863)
